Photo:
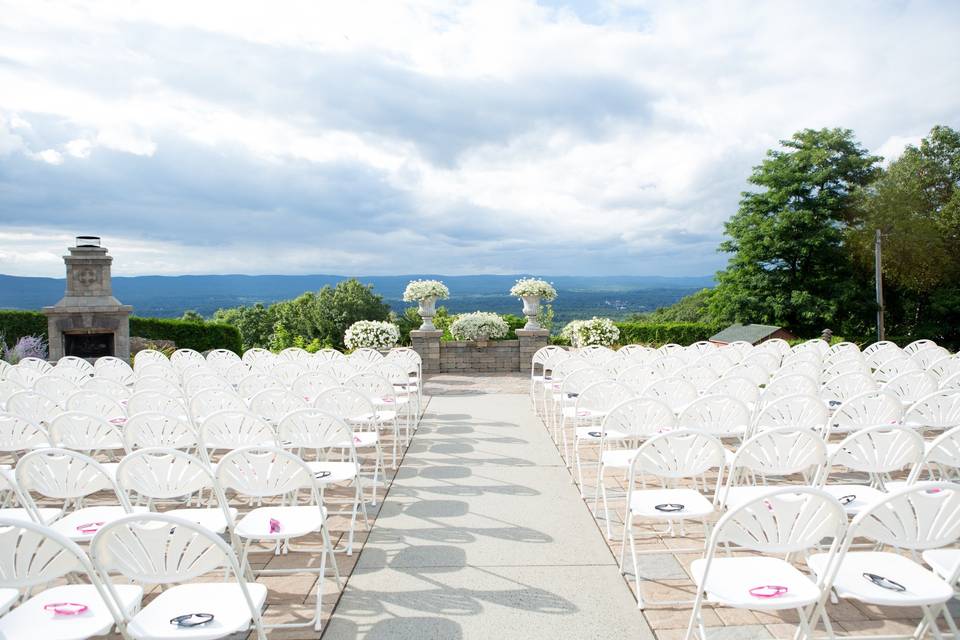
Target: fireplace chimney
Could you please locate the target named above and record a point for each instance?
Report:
(88, 322)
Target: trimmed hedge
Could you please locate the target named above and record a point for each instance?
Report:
(186, 335)
(665, 332)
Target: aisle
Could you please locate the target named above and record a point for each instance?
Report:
(483, 536)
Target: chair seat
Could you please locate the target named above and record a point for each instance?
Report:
(739, 495)
(378, 417)
(69, 523)
(923, 587)
(294, 522)
(618, 458)
(47, 514)
(944, 562)
(643, 503)
(583, 414)
(211, 518)
(225, 601)
(361, 439)
(731, 579)
(339, 471)
(864, 496)
(30, 620)
(587, 433)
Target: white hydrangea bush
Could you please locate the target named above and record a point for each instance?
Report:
(595, 331)
(479, 325)
(422, 289)
(534, 287)
(371, 334)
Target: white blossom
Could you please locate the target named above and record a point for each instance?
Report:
(371, 334)
(422, 289)
(595, 331)
(479, 325)
(534, 287)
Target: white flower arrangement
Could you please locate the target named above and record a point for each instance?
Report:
(479, 325)
(534, 287)
(371, 334)
(422, 289)
(595, 331)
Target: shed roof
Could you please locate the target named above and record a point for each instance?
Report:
(752, 333)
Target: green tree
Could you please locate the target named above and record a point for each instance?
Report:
(255, 324)
(692, 308)
(915, 204)
(192, 316)
(788, 265)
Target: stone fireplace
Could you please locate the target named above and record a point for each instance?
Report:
(88, 322)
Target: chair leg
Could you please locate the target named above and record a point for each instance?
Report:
(606, 506)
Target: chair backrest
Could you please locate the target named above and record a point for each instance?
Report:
(781, 521)
(26, 376)
(781, 451)
(867, 409)
(236, 372)
(350, 405)
(115, 369)
(776, 346)
(373, 386)
(926, 357)
(156, 383)
(56, 388)
(890, 369)
(846, 385)
(917, 345)
(577, 381)
(63, 474)
(210, 401)
(33, 406)
(718, 415)
(675, 392)
(309, 385)
(806, 369)
(740, 387)
(541, 356)
(327, 355)
(32, 554)
(599, 397)
(668, 365)
(262, 472)
(149, 356)
(19, 434)
(789, 385)
(910, 386)
(944, 368)
(801, 411)
(195, 384)
(158, 370)
(75, 362)
(916, 517)
(595, 354)
(155, 401)
(616, 364)
(834, 369)
(96, 403)
(222, 359)
(699, 376)
(256, 382)
(81, 431)
(877, 346)
(341, 369)
(313, 429)
(639, 418)
(160, 473)
(256, 355)
(8, 388)
(365, 358)
(878, 450)
(232, 428)
(639, 376)
(150, 429)
(942, 456)
(753, 371)
(183, 358)
(684, 453)
(273, 404)
(107, 387)
(763, 359)
(639, 354)
(294, 354)
(288, 371)
(39, 364)
(405, 358)
(737, 350)
(75, 375)
(716, 361)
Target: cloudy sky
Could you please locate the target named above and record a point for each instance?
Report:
(608, 137)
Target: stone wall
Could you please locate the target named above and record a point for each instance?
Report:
(461, 356)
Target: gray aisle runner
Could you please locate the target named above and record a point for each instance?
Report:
(484, 536)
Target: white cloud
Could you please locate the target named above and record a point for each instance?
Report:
(505, 135)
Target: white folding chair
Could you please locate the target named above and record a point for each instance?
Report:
(311, 384)
(916, 518)
(210, 401)
(56, 388)
(288, 371)
(801, 411)
(182, 556)
(938, 411)
(911, 386)
(326, 434)
(222, 359)
(272, 473)
(69, 477)
(103, 386)
(539, 370)
(256, 382)
(233, 428)
(674, 391)
(256, 355)
(273, 404)
(149, 429)
(113, 369)
(88, 433)
(156, 383)
(668, 457)
(721, 416)
(789, 385)
(623, 428)
(783, 522)
(356, 410)
(183, 358)
(740, 387)
(365, 358)
(35, 555)
(156, 402)
(32, 406)
(844, 386)
(867, 409)
(386, 402)
(98, 405)
(586, 415)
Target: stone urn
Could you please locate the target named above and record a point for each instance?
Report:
(531, 307)
(427, 311)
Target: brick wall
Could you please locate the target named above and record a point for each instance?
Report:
(461, 356)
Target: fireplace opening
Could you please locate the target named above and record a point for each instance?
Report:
(88, 345)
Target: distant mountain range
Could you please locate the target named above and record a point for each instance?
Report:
(170, 296)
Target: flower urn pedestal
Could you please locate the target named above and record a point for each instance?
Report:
(427, 312)
(531, 307)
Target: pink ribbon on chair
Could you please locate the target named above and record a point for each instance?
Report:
(66, 608)
(768, 591)
(274, 526)
(89, 527)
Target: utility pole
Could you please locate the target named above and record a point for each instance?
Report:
(878, 260)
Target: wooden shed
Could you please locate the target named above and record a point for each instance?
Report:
(752, 333)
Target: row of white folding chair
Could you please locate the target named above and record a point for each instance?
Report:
(255, 472)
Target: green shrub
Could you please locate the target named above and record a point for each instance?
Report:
(188, 335)
(657, 334)
(16, 324)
